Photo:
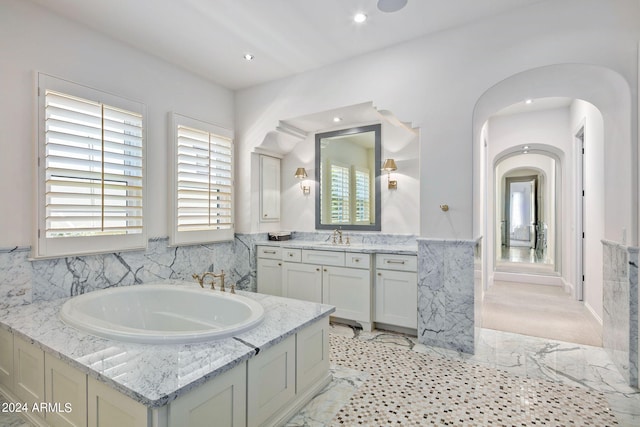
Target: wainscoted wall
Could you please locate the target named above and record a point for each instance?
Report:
(446, 314)
(620, 308)
(23, 281)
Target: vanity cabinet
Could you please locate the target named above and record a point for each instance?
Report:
(269, 274)
(330, 277)
(396, 290)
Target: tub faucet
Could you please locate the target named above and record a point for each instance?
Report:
(214, 276)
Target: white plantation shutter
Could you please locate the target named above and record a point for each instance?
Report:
(340, 201)
(202, 165)
(91, 171)
(363, 196)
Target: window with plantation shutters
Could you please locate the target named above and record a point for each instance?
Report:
(91, 171)
(340, 200)
(202, 179)
(363, 196)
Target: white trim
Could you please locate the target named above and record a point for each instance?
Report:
(535, 279)
(44, 247)
(593, 313)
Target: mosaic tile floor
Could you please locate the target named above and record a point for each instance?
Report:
(577, 383)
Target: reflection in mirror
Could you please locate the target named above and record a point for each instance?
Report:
(348, 179)
(526, 214)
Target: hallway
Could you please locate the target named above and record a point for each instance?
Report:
(540, 311)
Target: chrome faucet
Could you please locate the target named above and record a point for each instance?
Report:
(214, 276)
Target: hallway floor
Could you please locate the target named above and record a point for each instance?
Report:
(540, 311)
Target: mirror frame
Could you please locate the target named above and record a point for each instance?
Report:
(377, 129)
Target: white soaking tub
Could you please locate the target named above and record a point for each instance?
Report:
(162, 314)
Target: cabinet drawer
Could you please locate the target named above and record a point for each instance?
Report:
(356, 260)
(291, 255)
(271, 252)
(323, 257)
(397, 262)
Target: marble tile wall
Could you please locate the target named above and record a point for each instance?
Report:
(620, 308)
(23, 281)
(446, 313)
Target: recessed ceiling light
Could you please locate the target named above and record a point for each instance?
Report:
(525, 152)
(526, 147)
(337, 119)
(248, 57)
(359, 18)
(528, 101)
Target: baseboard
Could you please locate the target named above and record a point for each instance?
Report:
(291, 409)
(593, 313)
(568, 287)
(535, 279)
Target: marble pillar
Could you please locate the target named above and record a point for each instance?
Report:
(620, 308)
(446, 306)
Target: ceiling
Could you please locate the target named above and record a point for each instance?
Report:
(210, 37)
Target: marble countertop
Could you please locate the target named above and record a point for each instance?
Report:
(402, 249)
(151, 374)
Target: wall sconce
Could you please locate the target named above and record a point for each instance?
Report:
(389, 166)
(301, 174)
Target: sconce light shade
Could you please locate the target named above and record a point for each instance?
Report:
(301, 173)
(389, 165)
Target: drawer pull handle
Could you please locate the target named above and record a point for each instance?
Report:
(379, 274)
(279, 263)
(356, 260)
(318, 269)
(270, 252)
(394, 261)
(325, 270)
(290, 254)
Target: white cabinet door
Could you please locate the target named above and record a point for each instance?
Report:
(270, 276)
(221, 402)
(28, 372)
(396, 298)
(312, 354)
(349, 289)
(302, 281)
(6, 359)
(67, 388)
(269, 188)
(108, 407)
(272, 381)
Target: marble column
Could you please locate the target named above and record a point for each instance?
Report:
(620, 308)
(446, 315)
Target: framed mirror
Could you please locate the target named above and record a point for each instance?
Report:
(348, 179)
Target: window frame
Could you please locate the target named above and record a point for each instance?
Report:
(202, 236)
(56, 247)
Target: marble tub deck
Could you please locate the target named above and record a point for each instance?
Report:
(154, 375)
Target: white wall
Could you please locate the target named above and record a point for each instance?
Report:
(585, 114)
(33, 39)
(435, 81)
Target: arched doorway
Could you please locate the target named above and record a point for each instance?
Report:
(570, 82)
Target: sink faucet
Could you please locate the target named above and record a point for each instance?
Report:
(214, 276)
(337, 231)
